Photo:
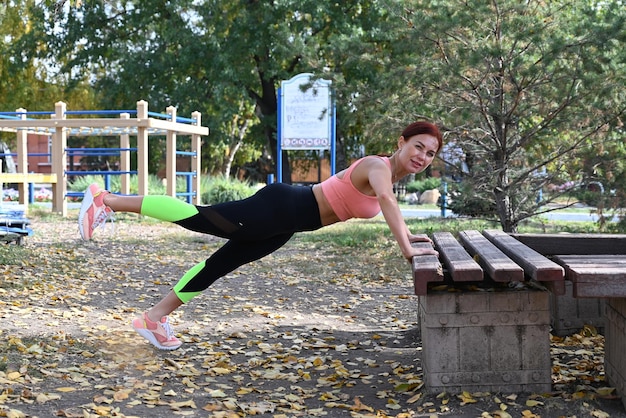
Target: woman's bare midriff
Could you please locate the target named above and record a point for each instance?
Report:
(327, 215)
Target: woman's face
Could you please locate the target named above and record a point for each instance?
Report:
(417, 152)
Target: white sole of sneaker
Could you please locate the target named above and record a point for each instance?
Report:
(150, 337)
(84, 207)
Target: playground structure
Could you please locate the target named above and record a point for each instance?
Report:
(59, 127)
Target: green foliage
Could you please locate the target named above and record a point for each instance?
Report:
(220, 189)
(616, 227)
(24, 81)
(605, 163)
(528, 87)
(588, 197)
(226, 60)
(421, 186)
(466, 200)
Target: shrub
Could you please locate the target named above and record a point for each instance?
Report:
(421, 186)
(220, 189)
(10, 195)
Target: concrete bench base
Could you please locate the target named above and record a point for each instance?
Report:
(486, 341)
(570, 314)
(615, 341)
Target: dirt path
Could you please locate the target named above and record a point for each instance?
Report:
(304, 332)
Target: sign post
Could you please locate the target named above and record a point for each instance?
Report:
(306, 118)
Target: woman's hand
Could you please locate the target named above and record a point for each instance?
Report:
(419, 238)
(414, 252)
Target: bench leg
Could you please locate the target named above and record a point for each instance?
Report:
(486, 341)
(615, 344)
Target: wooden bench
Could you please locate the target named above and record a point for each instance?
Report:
(492, 255)
(594, 266)
(594, 263)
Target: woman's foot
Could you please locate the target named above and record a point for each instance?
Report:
(93, 212)
(160, 334)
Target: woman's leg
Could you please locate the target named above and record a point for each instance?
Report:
(227, 258)
(231, 255)
(98, 205)
(164, 307)
(274, 210)
(255, 227)
(165, 208)
(121, 203)
(153, 324)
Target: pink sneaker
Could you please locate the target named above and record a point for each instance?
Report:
(160, 334)
(93, 211)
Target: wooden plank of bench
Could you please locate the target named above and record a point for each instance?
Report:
(599, 260)
(28, 178)
(564, 244)
(458, 262)
(426, 268)
(535, 265)
(595, 276)
(495, 263)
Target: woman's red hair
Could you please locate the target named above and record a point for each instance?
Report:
(423, 128)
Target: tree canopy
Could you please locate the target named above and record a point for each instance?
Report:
(226, 59)
(520, 87)
(525, 92)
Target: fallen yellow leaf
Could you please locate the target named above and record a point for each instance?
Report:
(360, 406)
(414, 398)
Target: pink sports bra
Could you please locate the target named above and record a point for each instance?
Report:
(346, 200)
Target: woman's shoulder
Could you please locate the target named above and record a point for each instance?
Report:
(364, 164)
(374, 160)
(361, 169)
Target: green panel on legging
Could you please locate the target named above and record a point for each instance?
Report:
(167, 208)
(191, 273)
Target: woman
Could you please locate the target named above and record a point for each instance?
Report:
(264, 222)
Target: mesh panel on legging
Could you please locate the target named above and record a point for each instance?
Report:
(255, 227)
(230, 256)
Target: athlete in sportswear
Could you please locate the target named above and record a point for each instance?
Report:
(262, 223)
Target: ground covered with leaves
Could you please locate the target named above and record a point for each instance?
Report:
(315, 329)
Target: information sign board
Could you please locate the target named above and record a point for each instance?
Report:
(306, 109)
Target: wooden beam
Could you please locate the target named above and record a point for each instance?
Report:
(595, 276)
(24, 178)
(426, 268)
(535, 265)
(108, 123)
(495, 263)
(549, 244)
(458, 262)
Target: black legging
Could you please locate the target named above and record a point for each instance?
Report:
(254, 227)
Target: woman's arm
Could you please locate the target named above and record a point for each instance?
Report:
(379, 178)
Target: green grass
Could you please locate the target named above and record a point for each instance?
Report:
(14, 255)
(352, 234)
(374, 234)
